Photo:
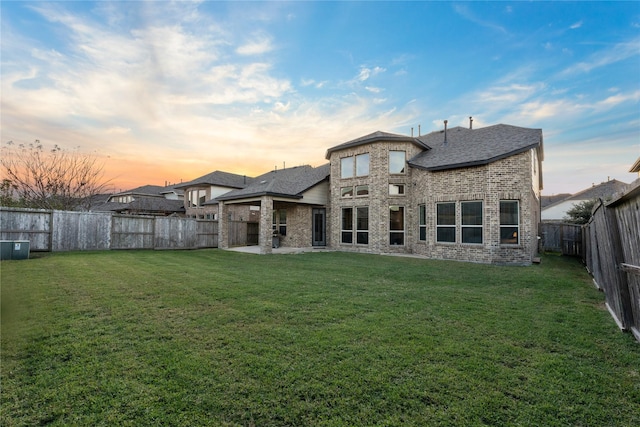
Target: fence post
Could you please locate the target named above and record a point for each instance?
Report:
(51, 225)
(618, 259)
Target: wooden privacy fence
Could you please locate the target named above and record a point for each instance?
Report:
(612, 256)
(54, 231)
(562, 237)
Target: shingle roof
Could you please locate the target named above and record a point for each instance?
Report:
(376, 137)
(143, 204)
(290, 182)
(223, 179)
(472, 147)
(604, 191)
(550, 200)
(151, 190)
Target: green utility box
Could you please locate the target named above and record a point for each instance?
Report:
(14, 249)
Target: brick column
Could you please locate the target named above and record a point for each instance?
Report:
(266, 214)
(223, 226)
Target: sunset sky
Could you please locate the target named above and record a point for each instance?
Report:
(169, 91)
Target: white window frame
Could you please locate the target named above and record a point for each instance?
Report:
(422, 222)
(393, 163)
(279, 222)
(510, 226)
(397, 189)
(346, 192)
(361, 231)
(393, 231)
(197, 197)
(443, 226)
(470, 226)
(346, 230)
(355, 166)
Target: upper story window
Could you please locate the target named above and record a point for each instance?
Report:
(396, 162)
(196, 198)
(123, 199)
(346, 191)
(362, 190)
(396, 189)
(354, 166)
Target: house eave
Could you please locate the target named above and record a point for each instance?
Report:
(377, 138)
(258, 194)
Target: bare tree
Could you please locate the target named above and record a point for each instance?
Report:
(50, 179)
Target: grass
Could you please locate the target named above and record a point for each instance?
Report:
(210, 337)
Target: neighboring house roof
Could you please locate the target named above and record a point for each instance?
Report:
(473, 147)
(376, 137)
(143, 204)
(290, 183)
(549, 200)
(604, 191)
(222, 179)
(150, 190)
(636, 166)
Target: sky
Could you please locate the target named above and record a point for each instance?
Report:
(165, 92)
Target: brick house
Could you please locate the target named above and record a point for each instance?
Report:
(461, 194)
(200, 195)
(292, 207)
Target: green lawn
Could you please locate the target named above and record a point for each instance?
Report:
(221, 338)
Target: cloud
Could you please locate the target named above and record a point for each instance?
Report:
(179, 93)
(259, 46)
(604, 57)
(366, 73)
(576, 25)
(464, 11)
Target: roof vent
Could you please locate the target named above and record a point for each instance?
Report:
(445, 131)
(470, 122)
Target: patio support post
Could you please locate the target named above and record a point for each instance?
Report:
(266, 215)
(223, 226)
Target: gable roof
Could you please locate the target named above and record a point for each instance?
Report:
(377, 137)
(473, 147)
(636, 166)
(150, 190)
(550, 200)
(143, 204)
(289, 183)
(220, 178)
(604, 191)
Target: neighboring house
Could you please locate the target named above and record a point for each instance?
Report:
(636, 167)
(461, 194)
(607, 190)
(200, 195)
(145, 200)
(549, 200)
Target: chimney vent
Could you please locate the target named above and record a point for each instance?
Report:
(411, 132)
(419, 133)
(470, 122)
(445, 131)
